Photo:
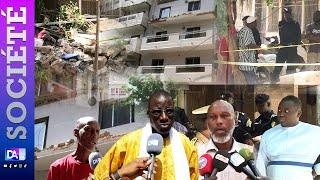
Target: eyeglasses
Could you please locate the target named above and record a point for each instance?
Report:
(158, 112)
(286, 111)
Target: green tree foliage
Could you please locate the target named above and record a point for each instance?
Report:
(70, 12)
(140, 88)
(38, 10)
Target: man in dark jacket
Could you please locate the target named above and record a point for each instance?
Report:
(241, 132)
(290, 34)
(267, 118)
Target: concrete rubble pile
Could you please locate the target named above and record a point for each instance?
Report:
(78, 53)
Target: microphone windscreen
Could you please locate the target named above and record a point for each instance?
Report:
(205, 164)
(318, 160)
(94, 159)
(221, 160)
(316, 166)
(237, 161)
(246, 154)
(154, 144)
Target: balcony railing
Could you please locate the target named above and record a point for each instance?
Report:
(133, 19)
(194, 34)
(180, 73)
(115, 4)
(152, 69)
(189, 69)
(157, 38)
(202, 38)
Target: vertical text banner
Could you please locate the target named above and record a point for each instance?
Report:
(17, 89)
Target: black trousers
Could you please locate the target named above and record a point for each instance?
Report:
(288, 55)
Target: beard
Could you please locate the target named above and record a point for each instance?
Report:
(223, 139)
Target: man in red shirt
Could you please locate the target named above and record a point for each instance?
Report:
(75, 166)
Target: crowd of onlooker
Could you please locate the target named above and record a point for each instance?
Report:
(294, 47)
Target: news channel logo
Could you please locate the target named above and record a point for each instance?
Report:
(153, 142)
(202, 162)
(15, 154)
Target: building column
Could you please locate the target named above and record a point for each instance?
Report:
(80, 6)
(303, 16)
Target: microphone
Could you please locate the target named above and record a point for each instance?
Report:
(248, 156)
(220, 161)
(205, 165)
(94, 159)
(154, 147)
(316, 166)
(238, 163)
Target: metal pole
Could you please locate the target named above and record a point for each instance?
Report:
(94, 88)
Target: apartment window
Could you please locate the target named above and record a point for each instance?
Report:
(193, 29)
(132, 17)
(135, 36)
(122, 19)
(157, 62)
(115, 114)
(40, 132)
(193, 60)
(165, 12)
(193, 32)
(191, 69)
(162, 36)
(194, 5)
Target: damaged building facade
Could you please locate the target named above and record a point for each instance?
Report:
(170, 40)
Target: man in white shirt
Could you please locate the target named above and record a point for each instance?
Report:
(289, 150)
(221, 122)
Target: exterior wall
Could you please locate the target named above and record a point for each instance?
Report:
(175, 43)
(133, 19)
(63, 115)
(178, 58)
(180, 27)
(180, 7)
(62, 118)
(109, 5)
